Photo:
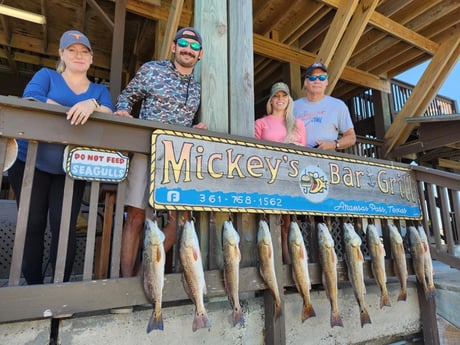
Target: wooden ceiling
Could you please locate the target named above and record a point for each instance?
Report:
(364, 42)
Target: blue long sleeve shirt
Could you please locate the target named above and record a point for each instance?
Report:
(49, 84)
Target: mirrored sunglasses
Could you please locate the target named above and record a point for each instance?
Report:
(321, 77)
(184, 44)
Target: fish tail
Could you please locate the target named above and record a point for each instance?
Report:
(384, 301)
(365, 318)
(307, 311)
(155, 321)
(200, 321)
(402, 295)
(238, 316)
(277, 309)
(336, 320)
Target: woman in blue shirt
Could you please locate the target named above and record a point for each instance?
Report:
(68, 86)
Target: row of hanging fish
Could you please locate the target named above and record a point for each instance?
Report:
(193, 274)
(195, 286)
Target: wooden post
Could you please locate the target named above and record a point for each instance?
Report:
(428, 317)
(275, 328)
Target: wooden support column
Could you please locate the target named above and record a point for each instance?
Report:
(275, 328)
(382, 118)
(116, 63)
(241, 68)
(294, 80)
(212, 71)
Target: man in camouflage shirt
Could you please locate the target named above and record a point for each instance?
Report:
(171, 95)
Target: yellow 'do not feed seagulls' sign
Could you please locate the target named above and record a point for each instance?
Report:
(202, 172)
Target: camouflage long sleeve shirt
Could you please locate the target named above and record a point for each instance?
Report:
(167, 95)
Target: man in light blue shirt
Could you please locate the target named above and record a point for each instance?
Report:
(327, 119)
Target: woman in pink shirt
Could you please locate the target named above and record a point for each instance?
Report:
(281, 126)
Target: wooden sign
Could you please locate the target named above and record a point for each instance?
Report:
(91, 164)
(199, 172)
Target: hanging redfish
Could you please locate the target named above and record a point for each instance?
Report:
(428, 261)
(377, 253)
(267, 263)
(153, 264)
(417, 252)
(232, 258)
(193, 274)
(328, 262)
(299, 264)
(399, 260)
(354, 258)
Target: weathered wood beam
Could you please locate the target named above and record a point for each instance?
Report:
(335, 32)
(449, 163)
(413, 38)
(44, 26)
(425, 90)
(172, 24)
(116, 62)
(353, 33)
(105, 18)
(391, 27)
(281, 52)
(157, 13)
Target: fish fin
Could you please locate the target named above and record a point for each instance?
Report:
(365, 318)
(425, 247)
(384, 301)
(238, 253)
(155, 321)
(402, 295)
(158, 257)
(200, 321)
(195, 255)
(336, 320)
(301, 253)
(307, 311)
(360, 256)
(238, 316)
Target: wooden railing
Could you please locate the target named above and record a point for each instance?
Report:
(95, 290)
(363, 106)
(440, 198)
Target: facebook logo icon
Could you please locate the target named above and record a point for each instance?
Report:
(172, 196)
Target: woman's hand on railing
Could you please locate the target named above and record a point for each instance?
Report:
(81, 111)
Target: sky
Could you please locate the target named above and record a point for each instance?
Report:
(450, 88)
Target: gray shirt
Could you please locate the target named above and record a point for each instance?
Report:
(323, 120)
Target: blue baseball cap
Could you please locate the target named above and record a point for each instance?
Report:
(73, 36)
(314, 66)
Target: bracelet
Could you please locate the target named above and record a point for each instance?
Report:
(96, 102)
(337, 145)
